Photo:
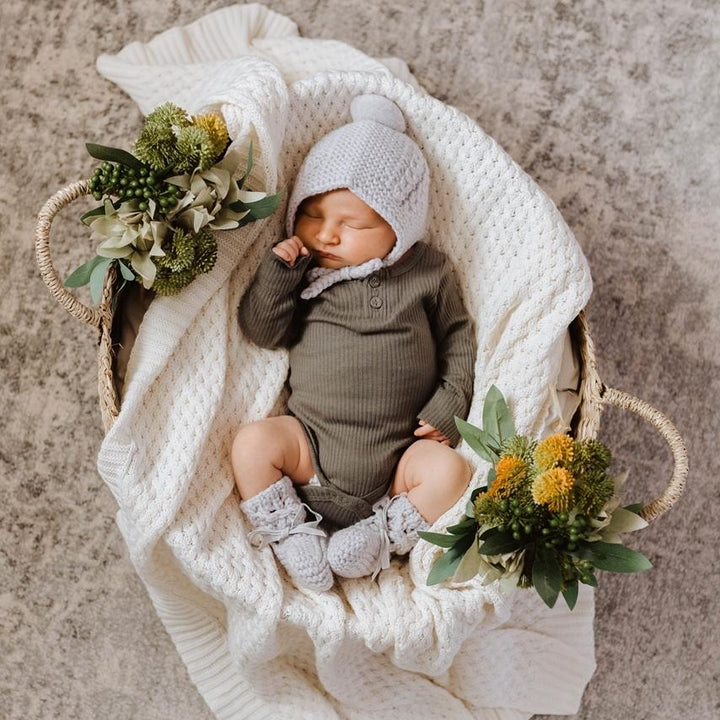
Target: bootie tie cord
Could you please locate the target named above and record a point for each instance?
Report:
(397, 521)
(380, 508)
(263, 535)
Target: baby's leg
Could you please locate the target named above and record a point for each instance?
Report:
(265, 450)
(433, 475)
(429, 479)
(268, 456)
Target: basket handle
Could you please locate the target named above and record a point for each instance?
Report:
(673, 491)
(42, 252)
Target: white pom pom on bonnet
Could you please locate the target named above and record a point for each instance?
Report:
(373, 158)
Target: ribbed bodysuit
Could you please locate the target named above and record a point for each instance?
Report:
(368, 359)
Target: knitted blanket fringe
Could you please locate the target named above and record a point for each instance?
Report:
(256, 646)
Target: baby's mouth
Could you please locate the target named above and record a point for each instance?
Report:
(329, 256)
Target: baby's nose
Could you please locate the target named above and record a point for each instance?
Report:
(328, 236)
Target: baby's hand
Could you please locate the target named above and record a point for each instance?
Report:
(289, 249)
(428, 432)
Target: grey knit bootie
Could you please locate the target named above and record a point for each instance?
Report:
(364, 548)
(278, 516)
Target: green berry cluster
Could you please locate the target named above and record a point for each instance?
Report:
(574, 569)
(520, 518)
(561, 534)
(126, 183)
(564, 536)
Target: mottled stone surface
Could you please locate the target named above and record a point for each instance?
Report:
(612, 107)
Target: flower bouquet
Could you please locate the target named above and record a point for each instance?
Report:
(160, 204)
(549, 516)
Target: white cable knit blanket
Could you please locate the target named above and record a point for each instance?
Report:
(255, 646)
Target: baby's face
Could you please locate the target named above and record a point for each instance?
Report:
(342, 230)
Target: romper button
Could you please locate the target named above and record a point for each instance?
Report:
(374, 281)
(375, 302)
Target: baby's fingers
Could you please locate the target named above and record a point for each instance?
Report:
(298, 245)
(282, 252)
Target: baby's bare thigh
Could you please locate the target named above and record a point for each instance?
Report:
(424, 461)
(285, 442)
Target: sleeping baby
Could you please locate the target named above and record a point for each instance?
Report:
(382, 355)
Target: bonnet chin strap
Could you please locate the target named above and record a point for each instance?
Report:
(322, 278)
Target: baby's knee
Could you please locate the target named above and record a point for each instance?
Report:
(456, 468)
(251, 434)
(261, 437)
(428, 461)
(278, 442)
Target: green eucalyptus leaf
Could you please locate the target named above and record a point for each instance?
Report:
(570, 593)
(489, 413)
(446, 566)
(127, 273)
(547, 574)
(265, 207)
(477, 440)
(613, 557)
(469, 565)
(109, 154)
(592, 580)
(635, 508)
(443, 568)
(464, 542)
(500, 543)
(505, 421)
(440, 539)
(97, 278)
(244, 220)
(81, 276)
(463, 527)
(259, 209)
(497, 421)
(248, 168)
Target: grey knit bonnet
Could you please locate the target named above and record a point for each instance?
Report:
(373, 158)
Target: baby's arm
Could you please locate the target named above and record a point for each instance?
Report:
(454, 335)
(267, 309)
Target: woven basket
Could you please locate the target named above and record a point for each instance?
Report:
(594, 395)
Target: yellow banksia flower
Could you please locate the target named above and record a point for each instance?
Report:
(554, 488)
(554, 450)
(510, 473)
(215, 127)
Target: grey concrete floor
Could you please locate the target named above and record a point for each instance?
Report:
(612, 107)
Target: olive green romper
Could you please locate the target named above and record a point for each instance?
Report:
(368, 359)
